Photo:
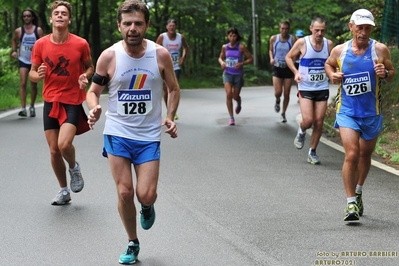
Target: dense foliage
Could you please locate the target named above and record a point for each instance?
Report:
(204, 24)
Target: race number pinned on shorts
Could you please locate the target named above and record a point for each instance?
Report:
(357, 84)
(134, 102)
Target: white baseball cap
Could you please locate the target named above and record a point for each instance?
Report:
(362, 16)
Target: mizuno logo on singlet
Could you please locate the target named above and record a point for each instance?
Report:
(127, 96)
(356, 80)
(317, 71)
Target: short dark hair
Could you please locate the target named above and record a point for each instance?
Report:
(133, 5)
(235, 31)
(317, 19)
(285, 22)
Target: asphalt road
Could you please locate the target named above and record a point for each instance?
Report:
(239, 195)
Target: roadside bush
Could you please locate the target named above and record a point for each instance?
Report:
(9, 80)
(390, 96)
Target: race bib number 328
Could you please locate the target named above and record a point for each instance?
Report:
(134, 102)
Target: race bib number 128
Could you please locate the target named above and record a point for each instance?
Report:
(134, 102)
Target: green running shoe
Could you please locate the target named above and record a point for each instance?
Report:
(147, 217)
(313, 159)
(351, 212)
(360, 203)
(131, 254)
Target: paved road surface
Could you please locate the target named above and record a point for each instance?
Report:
(238, 195)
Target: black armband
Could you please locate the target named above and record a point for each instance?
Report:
(100, 80)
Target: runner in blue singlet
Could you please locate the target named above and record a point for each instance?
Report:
(358, 66)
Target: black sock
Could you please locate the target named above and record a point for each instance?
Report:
(135, 241)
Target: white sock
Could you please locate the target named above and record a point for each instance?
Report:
(300, 131)
(359, 189)
(351, 199)
(64, 188)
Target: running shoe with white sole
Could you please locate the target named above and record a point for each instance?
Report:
(131, 254)
(62, 198)
(299, 140)
(77, 182)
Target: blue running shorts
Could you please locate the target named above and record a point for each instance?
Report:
(368, 127)
(138, 152)
(236, 80)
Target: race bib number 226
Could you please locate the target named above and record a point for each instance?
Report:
(357, 84)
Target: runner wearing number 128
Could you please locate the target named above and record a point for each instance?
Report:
(134, 69)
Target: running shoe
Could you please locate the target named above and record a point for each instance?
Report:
(231, 122)
(351, 212)
(131, 254)
(299, 140)
(22, 112)
(32, 111)
(176, 117)
(313, 158)
(62, 198)
(359, 202)
(283, 119)
(238, 109)
(77, 182)
(147, 217)
(277, 107)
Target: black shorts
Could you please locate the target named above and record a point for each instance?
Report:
(177, 74)
(72, 111)
(282, 73)
(23, 65)
(317, 96)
